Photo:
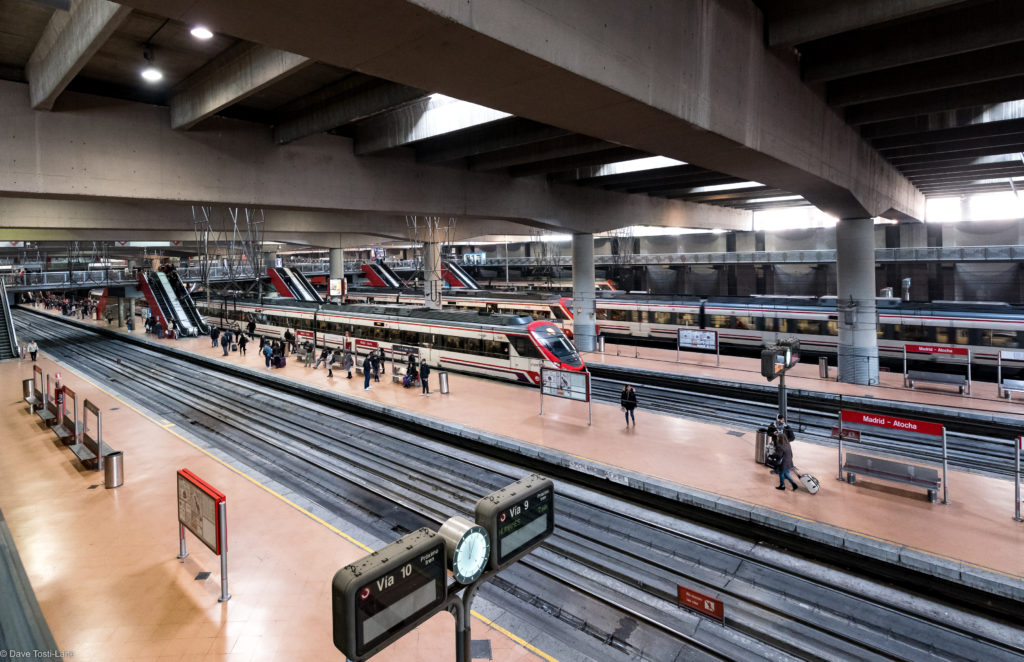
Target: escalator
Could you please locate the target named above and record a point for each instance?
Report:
(188, 305)
(456, 276)
(8, 338)
(380, 275)
(157, 300)
(158, 280)
(293, 284)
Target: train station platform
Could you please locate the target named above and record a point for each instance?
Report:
(984, 395)
(103, 565)
(973, 539)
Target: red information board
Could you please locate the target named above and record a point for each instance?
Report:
(939, 349)
(883, 421)
(197, 509)
(365, 343)
(701, 603)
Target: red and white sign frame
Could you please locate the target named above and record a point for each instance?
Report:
(191, 487)
(937, 350)
(566, 386)
(926, 428)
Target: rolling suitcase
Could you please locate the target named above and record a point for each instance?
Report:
(234, 347)
(809, 482)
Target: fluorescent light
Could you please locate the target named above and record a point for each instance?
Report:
(152, 74)
(201, 32)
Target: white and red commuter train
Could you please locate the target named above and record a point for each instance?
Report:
(751, 323)
(501, 346)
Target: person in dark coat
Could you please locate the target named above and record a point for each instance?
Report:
(785, 450)
(367, 369)
(325, 355)
(214, 334)
(347, 362)
(628, 402)
(252, 327)
(242, 342)
(425, 378)
(376, 363)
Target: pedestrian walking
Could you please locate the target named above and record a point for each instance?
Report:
(225, 342)
(33, 349)
(367, 368)
(375, 362)
(347, 362)
(268, 351)
(310, 354)
(331, 362)
(628, 402)
(242, 342)
(251, 327)
(785, 450)
(425, 378)
(214, 334)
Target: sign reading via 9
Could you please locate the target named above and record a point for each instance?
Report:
(517, 518)
(386, 594)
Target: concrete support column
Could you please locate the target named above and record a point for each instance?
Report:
(269, 259)
(120, 312)
(583, 307)
(337, 258)
(858, 324)
(433, 282)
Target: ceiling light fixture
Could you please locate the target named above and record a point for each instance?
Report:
(150, 73)
(201, 32)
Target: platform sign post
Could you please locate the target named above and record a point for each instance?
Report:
(388, 593)
(1016, 479)
(203, 511)
(567, 384)
(937, 350)
(904, 424)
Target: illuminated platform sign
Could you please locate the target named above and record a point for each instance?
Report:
(386, 594)
(517, 518)
(698, 338)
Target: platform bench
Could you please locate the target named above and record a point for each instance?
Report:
(936, 378)
(48, 413)
(91, 452)
(1011, 385)
(897, 472)
(33, 403)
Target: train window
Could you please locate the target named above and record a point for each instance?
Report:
(472, 346)
(741, 322)
(601, 314)
(1004, 339)
(941, 334)
(618, 315)
(556, 312)
(524, 347)
(495, 348)
(912, 333)
(661, 317)
(718, 321)
(640, 316)
(322, 325)
(961, 337)
(803, 326)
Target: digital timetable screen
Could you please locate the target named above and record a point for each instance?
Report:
(520, 525)
(391, 601)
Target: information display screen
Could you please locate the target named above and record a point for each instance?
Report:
(523, 524)
(565, 384)
(397, 598)
(336, 287)
(698, 339)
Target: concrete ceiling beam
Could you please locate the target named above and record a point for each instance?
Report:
(988, 130)
(980, 66)
(958, 165)
(956, 157)
(611, 154)
(681, 184)
(66, 46)
(949, 119)
(591, 176)
(974, 27)
(823, 19)
(687, 80)
(923, 180)
(357, 100)
(942, 100)
(241, 72)
(513, 135)
(568, 146)
(954, 146)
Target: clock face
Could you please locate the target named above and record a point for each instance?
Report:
(471, 554)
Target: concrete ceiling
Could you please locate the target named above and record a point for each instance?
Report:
(929, 88)
(934, 85)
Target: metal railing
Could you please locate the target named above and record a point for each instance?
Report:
(12, 335)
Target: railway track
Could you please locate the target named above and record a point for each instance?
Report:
(604, 583)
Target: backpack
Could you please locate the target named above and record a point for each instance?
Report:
(790, 435)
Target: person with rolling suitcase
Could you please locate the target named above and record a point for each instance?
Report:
(785, 450)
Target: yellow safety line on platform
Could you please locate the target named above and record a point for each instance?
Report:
(167, 425)
(519, 640)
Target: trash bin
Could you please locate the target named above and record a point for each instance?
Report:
(113, 469)
(761, 445)
(442, 380)
(823, 367)
(26, 388)
(600, 344)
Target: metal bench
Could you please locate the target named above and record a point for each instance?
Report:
(1011, 385)
(897, 472)
(48, 413)
(936, 378)
(92, 449)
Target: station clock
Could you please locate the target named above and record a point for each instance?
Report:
(469, 548)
